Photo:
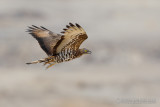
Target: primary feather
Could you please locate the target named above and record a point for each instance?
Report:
(47, 39)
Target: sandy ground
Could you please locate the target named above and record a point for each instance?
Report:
(103, 86)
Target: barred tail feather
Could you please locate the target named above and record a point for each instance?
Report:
(38, 61)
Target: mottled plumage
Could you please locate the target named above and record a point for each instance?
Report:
(60, 47)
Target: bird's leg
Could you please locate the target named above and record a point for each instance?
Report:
(46, 63)
(50, 65)
(49, 60)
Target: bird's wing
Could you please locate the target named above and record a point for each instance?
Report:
(73, 37)
(45, 37)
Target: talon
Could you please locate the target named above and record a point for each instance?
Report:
(49, 61)
(46, 63)
(50, 66)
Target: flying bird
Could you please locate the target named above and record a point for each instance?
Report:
(59, 47)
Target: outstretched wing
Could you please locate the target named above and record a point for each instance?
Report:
(45, 37)
(73, 37)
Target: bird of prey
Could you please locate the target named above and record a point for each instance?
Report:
(59, 47)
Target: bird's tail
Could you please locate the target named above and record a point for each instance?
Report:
(38, 61)
(50, 60)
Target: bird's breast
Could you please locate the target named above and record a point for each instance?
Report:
(66, 55)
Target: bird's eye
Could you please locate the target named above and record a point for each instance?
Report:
(85, 50)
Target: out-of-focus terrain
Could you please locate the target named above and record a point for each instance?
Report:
(124, 39)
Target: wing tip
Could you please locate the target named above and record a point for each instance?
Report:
(62, 32)
(67, 26)
(33, 28)
(64, 29)
(44, 28)
(71, 24)
(78, 25)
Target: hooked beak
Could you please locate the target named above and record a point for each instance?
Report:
(89, 52)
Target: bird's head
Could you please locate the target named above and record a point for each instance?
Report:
(85, 51)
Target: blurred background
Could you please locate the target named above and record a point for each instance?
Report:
(123, 70)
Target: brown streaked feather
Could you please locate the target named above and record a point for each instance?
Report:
(44, 28)
(73, 37)
(64, 29)
(78, 26)
(62, 32)
(71, 24)
(67, 26)
(46, 38)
